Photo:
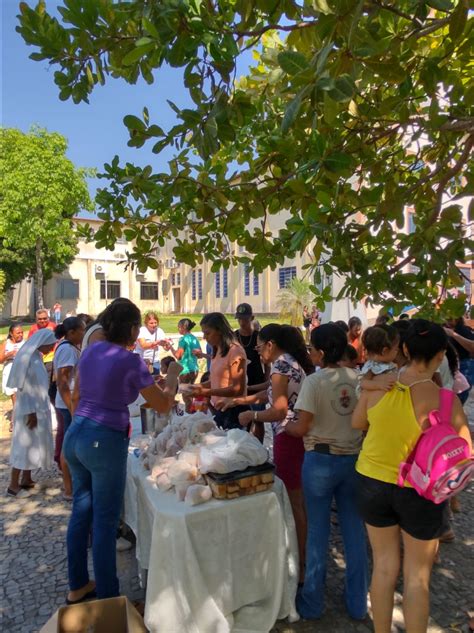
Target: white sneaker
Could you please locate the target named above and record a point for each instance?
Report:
(122, 545)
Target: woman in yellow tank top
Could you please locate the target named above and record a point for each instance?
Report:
(394, 422)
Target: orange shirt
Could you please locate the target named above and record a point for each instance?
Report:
(221, 367)
(357, 345)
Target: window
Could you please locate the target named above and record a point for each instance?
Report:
(256, 284)
(193, 285)
(200, 283)
(175, 279)
(411, 223)
(247, 280)
(217, 282)
(67, 288)
(148, 290)
(225, 287)
(285, 275)
(109, 291)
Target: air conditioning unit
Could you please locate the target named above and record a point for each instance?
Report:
(99, 269)
(171, 263)
(139, 276)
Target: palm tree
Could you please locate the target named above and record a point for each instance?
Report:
(292, 299)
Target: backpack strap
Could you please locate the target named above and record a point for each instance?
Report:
(446, 398)
(403, 471)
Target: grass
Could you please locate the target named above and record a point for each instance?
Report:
(169, 323)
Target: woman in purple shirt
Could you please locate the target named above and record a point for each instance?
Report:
(96, 447)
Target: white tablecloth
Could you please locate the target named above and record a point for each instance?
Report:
(221, 567)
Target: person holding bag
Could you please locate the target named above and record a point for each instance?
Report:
(108, 379)
(150, 338)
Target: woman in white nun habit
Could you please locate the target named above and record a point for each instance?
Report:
(32, 441)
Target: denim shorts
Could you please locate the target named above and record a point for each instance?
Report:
(382, 505)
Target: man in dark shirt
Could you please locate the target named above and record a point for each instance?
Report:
(247, 337)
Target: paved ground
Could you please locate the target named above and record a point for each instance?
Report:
(33, 573)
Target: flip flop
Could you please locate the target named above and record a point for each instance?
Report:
(90, 595)
(20, 494)
(28, 486)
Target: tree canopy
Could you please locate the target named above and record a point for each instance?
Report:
(41, 191)
(351, 111)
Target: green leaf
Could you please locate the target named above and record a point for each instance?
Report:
(291, 113)
(151, 28)
(293, 62)
(338, 162)
(343, 89)
(321, 6)
(136, 54)
(322, 57)
(133, 123)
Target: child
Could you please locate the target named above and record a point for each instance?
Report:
(381, 345)
(350, 358)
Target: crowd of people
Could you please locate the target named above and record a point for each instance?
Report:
(346, 406)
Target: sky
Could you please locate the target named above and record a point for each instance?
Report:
(95, 131)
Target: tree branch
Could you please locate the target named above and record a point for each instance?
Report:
(274, 27)
(439, 198)
(396, 11)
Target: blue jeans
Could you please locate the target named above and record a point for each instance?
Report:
(325, 477)
(67, 418)
(97, 459)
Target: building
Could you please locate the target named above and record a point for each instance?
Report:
(97, 276)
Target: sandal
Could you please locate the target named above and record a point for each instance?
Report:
(28, 486)
(20, 494)
(90, 595)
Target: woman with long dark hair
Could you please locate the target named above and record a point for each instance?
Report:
(283, 347)
(187, 345)
(228, 370)
(394, 421)
(109, 378)
(325, 404)
(66, 357)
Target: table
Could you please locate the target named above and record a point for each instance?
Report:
(220, 567)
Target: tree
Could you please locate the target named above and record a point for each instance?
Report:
(293, 298)
(353, 110)
(41, 191)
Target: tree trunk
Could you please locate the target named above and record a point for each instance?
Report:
(39, 274)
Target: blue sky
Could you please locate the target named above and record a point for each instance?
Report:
(95, 131)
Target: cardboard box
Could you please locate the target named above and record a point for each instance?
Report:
(112, 615)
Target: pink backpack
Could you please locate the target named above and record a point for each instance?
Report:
(440, 465)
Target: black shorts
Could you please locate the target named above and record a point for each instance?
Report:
(229, 419)
(382, 505)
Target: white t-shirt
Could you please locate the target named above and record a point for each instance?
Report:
(446, 376)
(330, 396)
(66, 355)
(151, 355)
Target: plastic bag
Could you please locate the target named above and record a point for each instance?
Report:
(197, 494)
(236, 451)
